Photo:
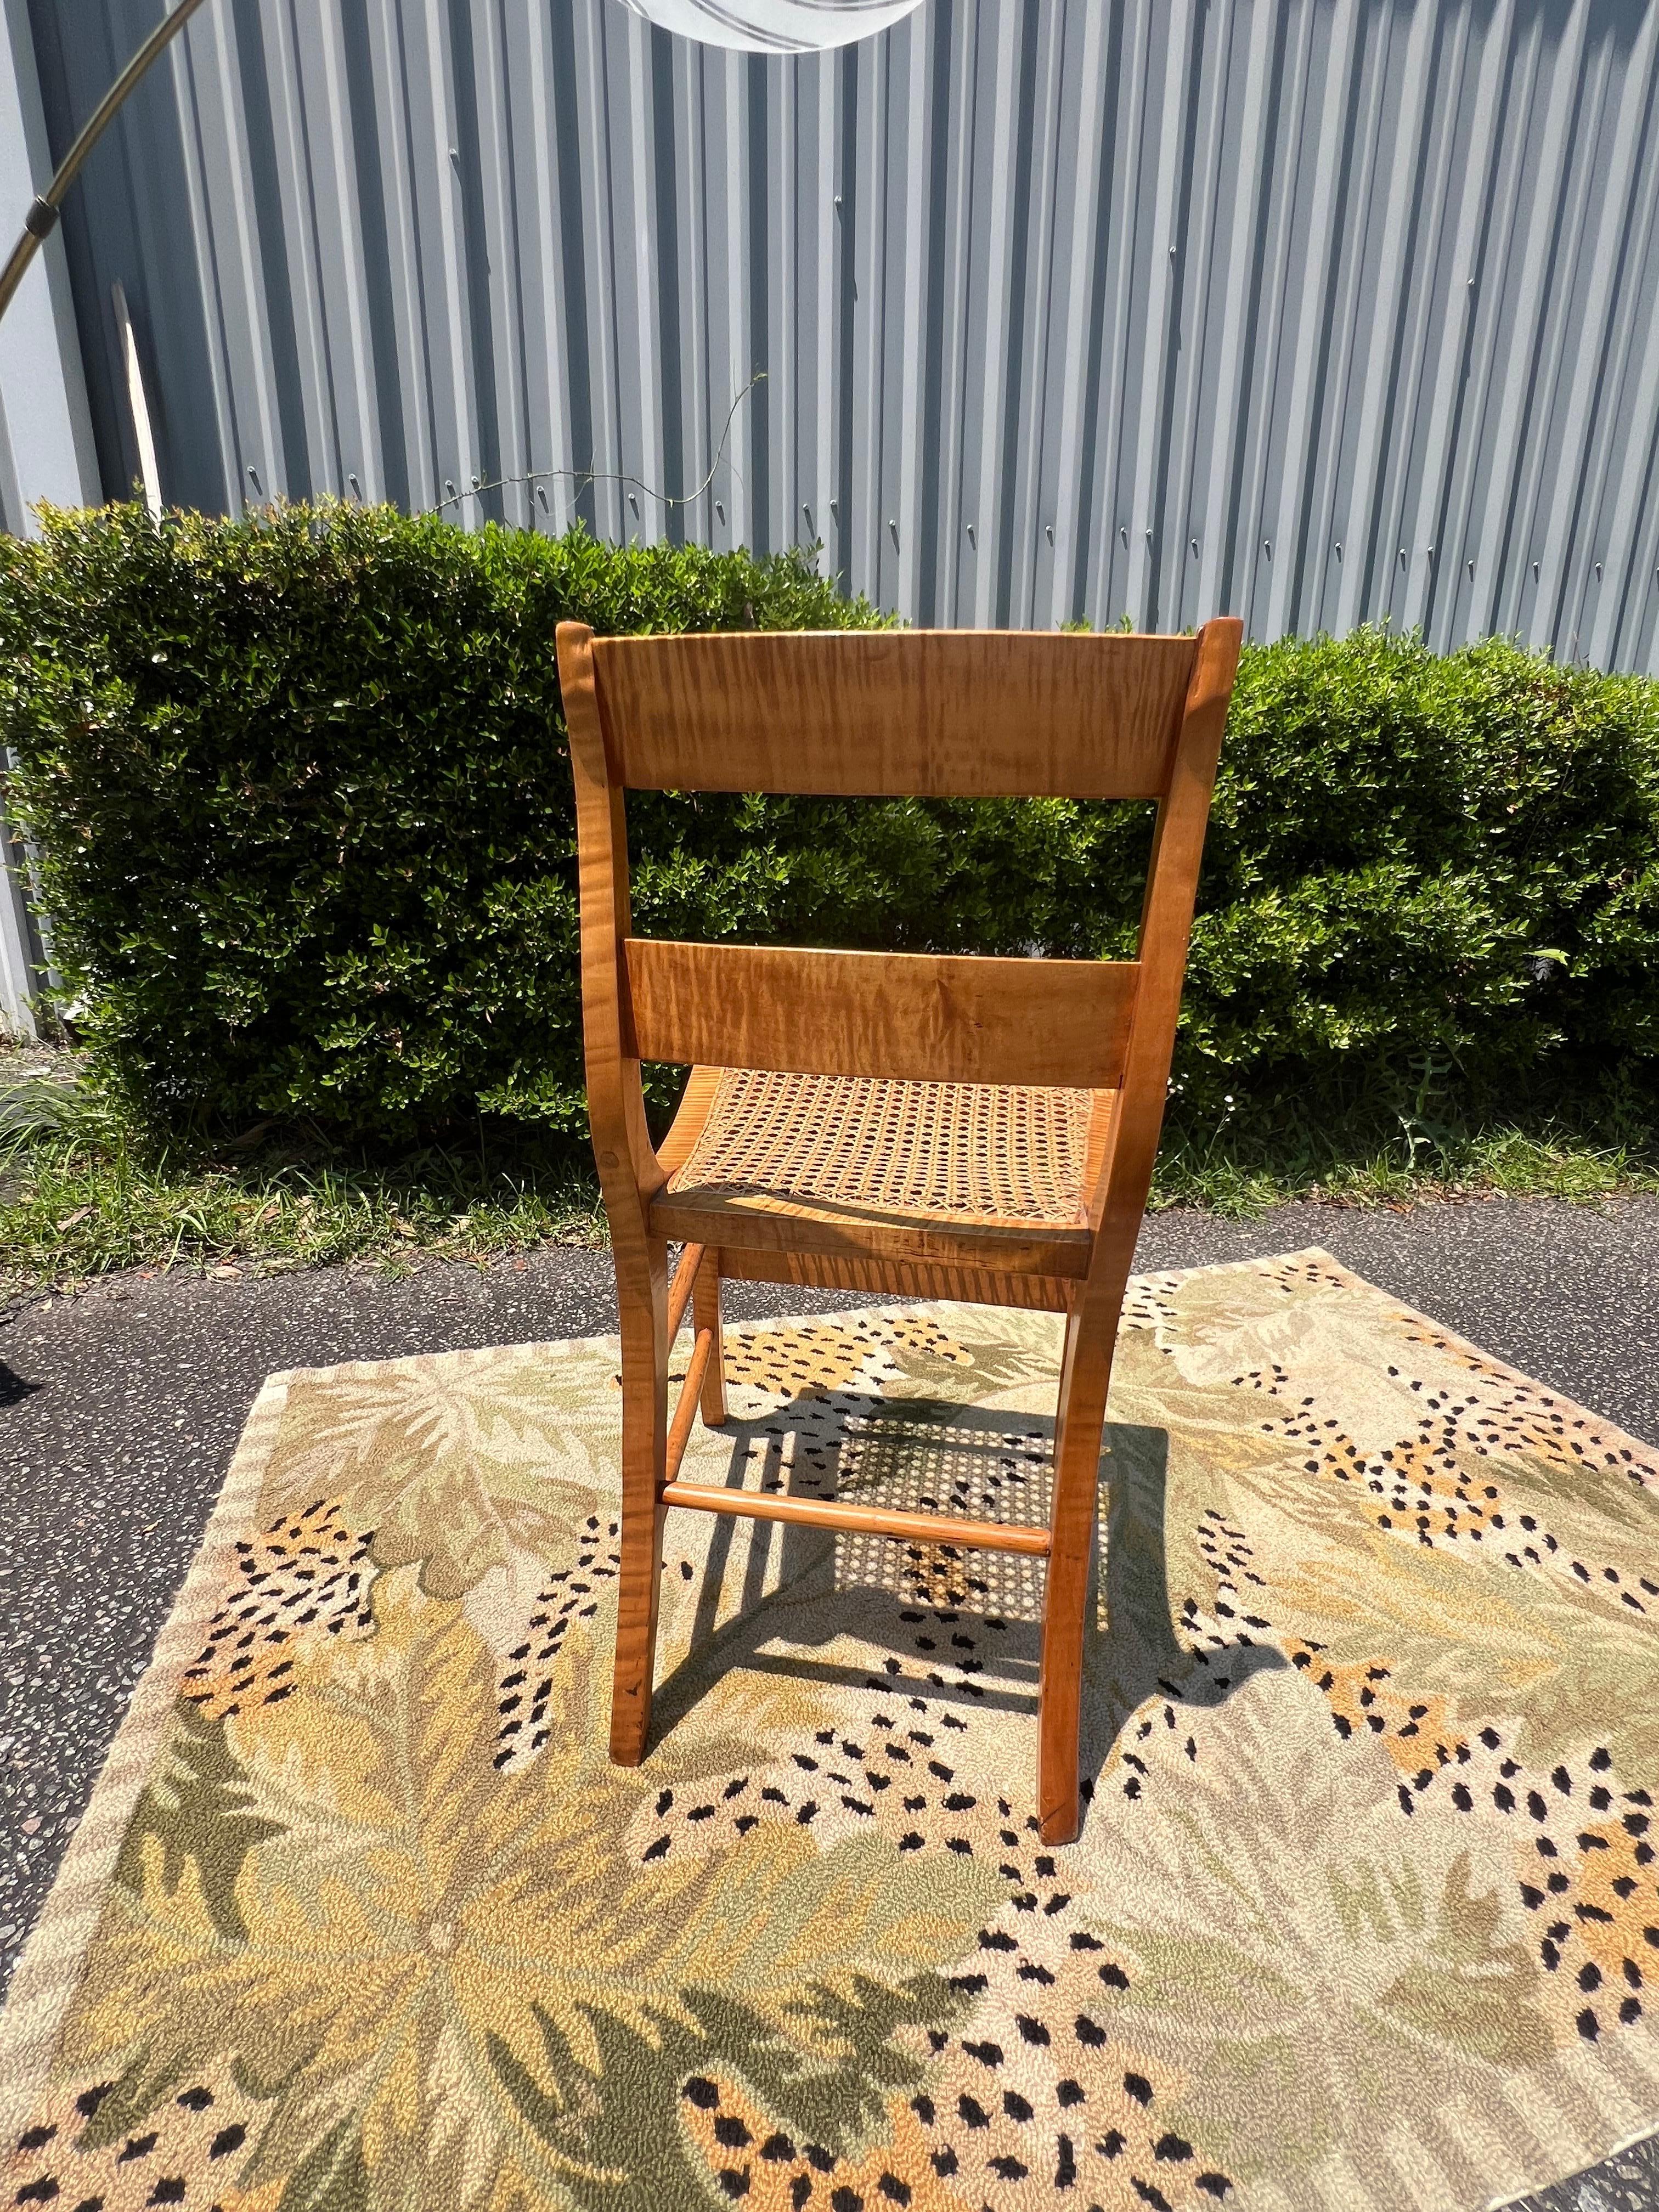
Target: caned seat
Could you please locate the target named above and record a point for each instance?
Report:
(959, 1173)
(930, 1125)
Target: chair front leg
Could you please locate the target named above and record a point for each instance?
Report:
(706, 1314)
(1084, 1374)
(643, 1313)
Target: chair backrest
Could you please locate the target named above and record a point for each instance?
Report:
(917, 712)
(911, 714)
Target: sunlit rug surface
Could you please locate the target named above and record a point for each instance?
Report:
(1364, 1913)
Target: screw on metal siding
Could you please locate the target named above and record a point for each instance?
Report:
(541, 494)
(1471, 570)
(1123, 532)
(720, 509)
(1149, 537)
(634, 501)
(1402, 557)
(1598, 572)
(1268, 547)
(1339, 549)
(357, 489)
(834, 509)
(893, 526)
(972, 538)
(807, 514)
(449, 487)
(1048, 529)
(1195, 543)
(253, 478)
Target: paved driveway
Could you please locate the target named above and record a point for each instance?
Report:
(118, 1410)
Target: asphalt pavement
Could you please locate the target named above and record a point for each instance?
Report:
(119, 1409)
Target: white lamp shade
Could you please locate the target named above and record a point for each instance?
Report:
(776, 27)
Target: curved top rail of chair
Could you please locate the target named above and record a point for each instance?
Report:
(963, 714)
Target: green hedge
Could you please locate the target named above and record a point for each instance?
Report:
(300, 790)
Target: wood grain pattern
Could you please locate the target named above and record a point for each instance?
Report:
(861, 1520)
(629, 1176)
(902, 1278)
(685, 1405)
(987, 713)
(707, 1303)
(762, 1222)
(1086, 1374)
(679, 1291)
(921, 713)
(916, 1017)
(1128, 1145)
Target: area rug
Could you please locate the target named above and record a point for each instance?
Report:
(1364, 1912)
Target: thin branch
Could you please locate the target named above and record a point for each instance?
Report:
(584, 477)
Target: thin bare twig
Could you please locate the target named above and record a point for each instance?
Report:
(584, 477)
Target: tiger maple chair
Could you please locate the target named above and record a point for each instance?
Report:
(958, 1127)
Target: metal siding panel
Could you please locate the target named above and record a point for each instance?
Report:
(762, 82)
(503, 241)
(46, 447)
(956, 161)
(780, 248)
(638, 253)
(1620, 418)
(991, 390)
(251, 246)
(535, 212)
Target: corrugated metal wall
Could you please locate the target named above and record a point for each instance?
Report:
(1314, 310)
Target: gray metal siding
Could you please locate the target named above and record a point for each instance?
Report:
(1318, 311)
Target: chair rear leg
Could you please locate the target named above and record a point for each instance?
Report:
(706, 1314)
(1085, 1373)
(644, 1317)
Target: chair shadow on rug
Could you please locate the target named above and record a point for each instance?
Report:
(959, 1630)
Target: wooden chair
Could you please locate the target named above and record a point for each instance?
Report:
(978, 1129)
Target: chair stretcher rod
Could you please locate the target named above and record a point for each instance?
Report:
(685, 1405)
(851, 1520)
(679, 1291)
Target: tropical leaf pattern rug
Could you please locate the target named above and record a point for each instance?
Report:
(1364, 1912)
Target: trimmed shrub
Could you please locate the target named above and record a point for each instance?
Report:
(1421, 856)
(301, 796)
(299, 787)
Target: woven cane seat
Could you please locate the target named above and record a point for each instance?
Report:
(974, 1172)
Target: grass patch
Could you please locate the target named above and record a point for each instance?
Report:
(83, 1195)
(1412, 1150)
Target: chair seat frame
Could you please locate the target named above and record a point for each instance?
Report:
(920, 712)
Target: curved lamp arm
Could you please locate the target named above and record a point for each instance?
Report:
(42, 217)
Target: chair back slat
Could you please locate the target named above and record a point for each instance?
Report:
(966, 714)
(905, 1017)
